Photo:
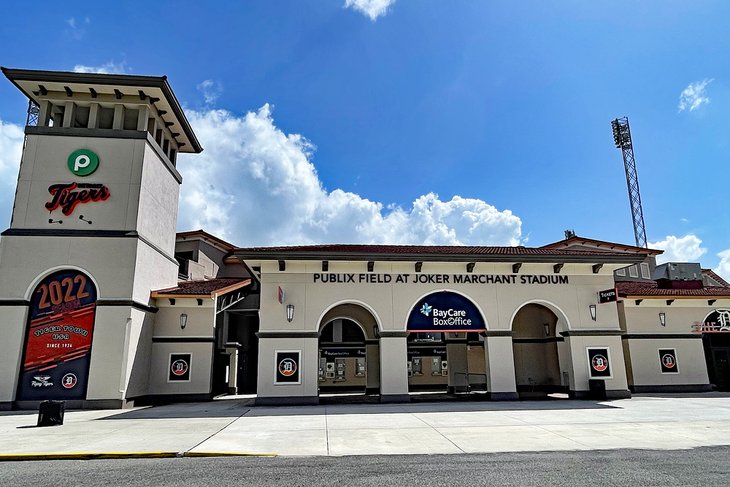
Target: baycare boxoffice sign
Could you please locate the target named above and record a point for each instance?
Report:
(445, 311)
(58, 338)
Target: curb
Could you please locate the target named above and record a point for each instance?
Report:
(22, 457)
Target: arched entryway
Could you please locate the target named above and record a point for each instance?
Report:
(349, 352)
(716, 343)
(538, 349)
(446, 348)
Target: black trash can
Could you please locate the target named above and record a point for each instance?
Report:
(597, 389)
(50, 413)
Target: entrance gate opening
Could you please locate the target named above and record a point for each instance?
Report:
(536, 347)
(716, 342)
(446, 362)
(349, 351)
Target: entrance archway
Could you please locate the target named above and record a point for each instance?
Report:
(349, 351)
(446, 348)
(716, 343)
(536, 347)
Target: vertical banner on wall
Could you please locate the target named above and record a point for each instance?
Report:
(179, 369)
(58, 338)
(668, 361)
(287, 367)
(599, 363)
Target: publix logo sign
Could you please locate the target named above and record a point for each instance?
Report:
(445, 311)
(83, 162)
(67, 196)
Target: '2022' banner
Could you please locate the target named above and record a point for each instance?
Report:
(58, 339)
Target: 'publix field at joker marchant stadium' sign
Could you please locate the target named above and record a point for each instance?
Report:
(445, 311)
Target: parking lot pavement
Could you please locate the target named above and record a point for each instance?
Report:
(236, 427)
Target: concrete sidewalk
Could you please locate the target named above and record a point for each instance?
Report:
(235, 427)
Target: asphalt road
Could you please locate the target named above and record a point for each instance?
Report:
(701, 467)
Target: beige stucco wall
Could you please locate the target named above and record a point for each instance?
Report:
(200, 326)
(390, 303)
(143, 197)
(44, 163)
(579, 355)
(681, 315)
(308, 364)
(691, 365)
(158, 202)
(200, 368)
(11, 348)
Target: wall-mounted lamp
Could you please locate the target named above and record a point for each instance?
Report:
(289, 312)
(546, 326)
(183, 321)
(592, 309)
(663, 319)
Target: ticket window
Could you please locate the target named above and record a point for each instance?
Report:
(417, 366)
(340, 370)
(435, 366)
(360, 370)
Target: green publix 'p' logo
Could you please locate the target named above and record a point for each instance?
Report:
(83, 162)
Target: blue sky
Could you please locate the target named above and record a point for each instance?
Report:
(418, 121)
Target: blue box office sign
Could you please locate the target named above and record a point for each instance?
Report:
(445, 311)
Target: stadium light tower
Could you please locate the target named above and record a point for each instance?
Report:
(622, 139)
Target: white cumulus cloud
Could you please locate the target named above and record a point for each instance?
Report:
(694, 96)
(210, 90)
(77, 27)
(723, 268)
(679, 249)
(371, 8)
(11, 147)
(109, 67)
(256, 185)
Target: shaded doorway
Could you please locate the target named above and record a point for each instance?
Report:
(446, 362)
(536, 348)
(716, 343)
(235, 366)
(349, 351)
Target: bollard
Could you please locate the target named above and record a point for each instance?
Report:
(50, 413)
(597, 389)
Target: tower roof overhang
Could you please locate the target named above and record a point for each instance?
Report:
(155, 88)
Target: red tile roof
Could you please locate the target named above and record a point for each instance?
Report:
(207, 287)
(715, 277)
(432, 252)
(600, 244)
(631, 289)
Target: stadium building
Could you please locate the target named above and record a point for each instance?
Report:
(103, 304)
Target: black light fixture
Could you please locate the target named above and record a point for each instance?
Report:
(592, 309)
(289, 312)
(663, 319)
(183, 321)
